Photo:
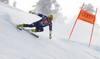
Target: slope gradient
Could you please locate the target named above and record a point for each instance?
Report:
(15, 44)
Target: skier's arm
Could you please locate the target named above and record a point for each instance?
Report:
(50, 31)
(36, 13)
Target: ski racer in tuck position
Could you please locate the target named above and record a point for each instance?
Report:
(43, 22)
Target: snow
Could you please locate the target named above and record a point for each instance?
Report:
(15, 44)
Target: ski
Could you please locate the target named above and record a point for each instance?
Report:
(19, 28)
(27, 30)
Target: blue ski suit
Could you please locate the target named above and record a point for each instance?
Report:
(41, 23)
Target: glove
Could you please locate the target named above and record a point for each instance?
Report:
(50, 36)
(31, 12)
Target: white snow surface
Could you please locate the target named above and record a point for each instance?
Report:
(16, 44)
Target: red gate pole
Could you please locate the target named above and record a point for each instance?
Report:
(92, 28)
(75, 23)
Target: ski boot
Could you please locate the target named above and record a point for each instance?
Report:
(20, 25)
(33, 30)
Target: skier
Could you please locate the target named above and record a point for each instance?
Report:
(45, 21)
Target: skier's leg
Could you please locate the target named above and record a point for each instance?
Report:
(27, 25)
(39, 28)
(31, 25)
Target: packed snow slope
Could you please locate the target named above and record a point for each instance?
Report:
(15, 44)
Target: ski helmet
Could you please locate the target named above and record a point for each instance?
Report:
(50, 16)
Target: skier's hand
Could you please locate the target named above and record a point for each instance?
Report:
(50, 36)
(31, 12)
